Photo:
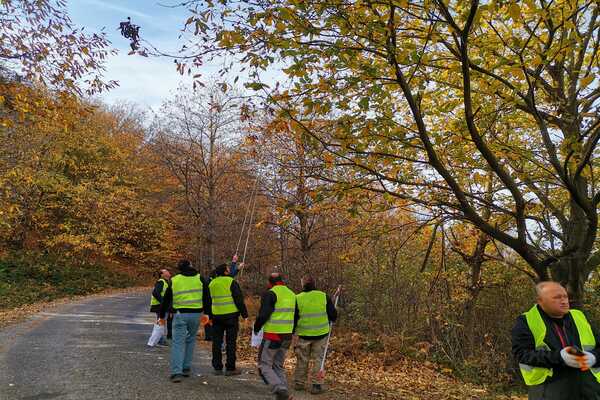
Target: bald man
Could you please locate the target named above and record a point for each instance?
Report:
(556, 348)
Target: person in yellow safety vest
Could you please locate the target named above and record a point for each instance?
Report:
(156, 298)
(185, 297)
(224, 305)
(556, 348)
(276, 316)
(314, 313)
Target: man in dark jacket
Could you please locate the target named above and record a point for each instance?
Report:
(224, 304)
(233, 270)
(556, 348)
(160, 288)
(314, 313)
(185, 296)
(276, 316)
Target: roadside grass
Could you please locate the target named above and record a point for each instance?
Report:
(27, 278)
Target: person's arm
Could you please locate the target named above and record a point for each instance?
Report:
(238, 299)
(331, 311)
(523, 348)
(206, 299)
(157, 292)
(165, 305)
(267, 306)
(296, 317)
(233, 269)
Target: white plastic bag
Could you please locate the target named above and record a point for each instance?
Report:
(256, 338)
(158, 331)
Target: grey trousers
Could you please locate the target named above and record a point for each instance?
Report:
(271, 357)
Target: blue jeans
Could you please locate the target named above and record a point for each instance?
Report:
(185, 328)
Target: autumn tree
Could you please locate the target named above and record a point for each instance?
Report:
(425, 97)
(39, 42)
(196, 134)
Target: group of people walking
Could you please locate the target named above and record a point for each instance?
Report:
(557, 350)
(219, 302)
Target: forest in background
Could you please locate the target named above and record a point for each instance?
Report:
(434, 184)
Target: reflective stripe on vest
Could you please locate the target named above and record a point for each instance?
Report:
(282, 318)
(187, 291)
(312, 307)
(220, 293)
(153, 300)
(538, 375)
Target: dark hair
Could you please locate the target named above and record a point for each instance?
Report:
(309, 281)
(220, 269)
(184, 264)
(275, 277)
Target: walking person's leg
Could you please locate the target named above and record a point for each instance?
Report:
(217, 340)
(317, 352)
(192, 322)
(278, 361)
(169, 326)
(266, 366)
(302, 350)
(231, 333)
(178, 345)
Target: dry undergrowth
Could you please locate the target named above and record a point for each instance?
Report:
(353, 373)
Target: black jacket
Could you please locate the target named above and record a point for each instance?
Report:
(331, 314)
(167, 302)
(238, 299)
(157, 294)
(267, 306)
(566, 383)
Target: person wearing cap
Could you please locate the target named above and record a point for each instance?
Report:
(276, 316)
(185, 297)
(556, 348)
(314, 313)
(156, 298)
(224, 304)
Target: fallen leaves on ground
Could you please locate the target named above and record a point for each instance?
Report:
(353, 373)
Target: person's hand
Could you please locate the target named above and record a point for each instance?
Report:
(161, 321)
(587, 360)
(235, 258)
(241, 266)
(570, 359)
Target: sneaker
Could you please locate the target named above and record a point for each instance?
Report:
(317, 389)
(218, 372)
(233, 372)
(299, 387)
(186, 373)
(176, 378)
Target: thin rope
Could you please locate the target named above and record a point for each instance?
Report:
(237, 248)
(249, 228)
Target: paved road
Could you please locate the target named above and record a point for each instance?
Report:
(96, 349)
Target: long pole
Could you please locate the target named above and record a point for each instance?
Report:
(322, 369)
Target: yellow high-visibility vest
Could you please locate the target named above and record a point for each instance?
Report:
(282, 318)
(537, 375)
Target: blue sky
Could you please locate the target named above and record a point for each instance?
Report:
(147, 81)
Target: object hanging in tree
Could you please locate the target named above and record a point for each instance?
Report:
(132, 32)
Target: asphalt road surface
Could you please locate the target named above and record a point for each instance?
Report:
(96, 349)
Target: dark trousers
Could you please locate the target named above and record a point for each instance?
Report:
(228, 327)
